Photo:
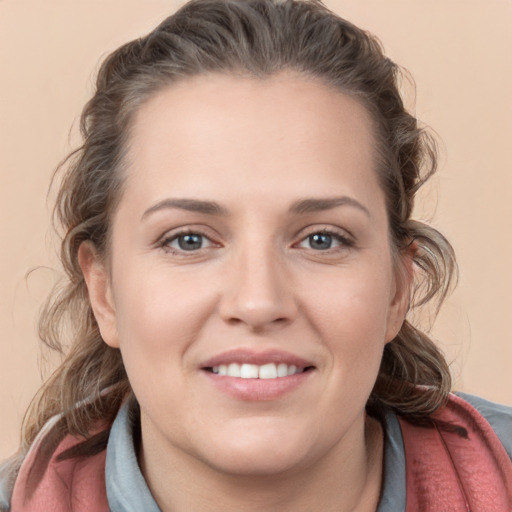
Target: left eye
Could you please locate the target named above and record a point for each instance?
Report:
(188, 242)
(322, 241)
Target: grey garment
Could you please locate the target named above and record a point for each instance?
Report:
(127, 490)
(6, 484)
(392, 497)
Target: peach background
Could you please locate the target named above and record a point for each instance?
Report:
(460, 56)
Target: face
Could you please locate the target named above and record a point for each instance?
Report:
(250, 285)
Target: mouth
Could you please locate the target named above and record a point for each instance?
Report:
(258, 376)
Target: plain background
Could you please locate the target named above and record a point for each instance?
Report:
(459, 53)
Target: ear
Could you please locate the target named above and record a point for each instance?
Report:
(99, 287)
(402, 291)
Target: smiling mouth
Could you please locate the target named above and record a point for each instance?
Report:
(254, 371)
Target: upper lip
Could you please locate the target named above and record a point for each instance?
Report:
(248, 356)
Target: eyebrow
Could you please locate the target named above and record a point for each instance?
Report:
(312, 205)
(191, 205)
(300, 207)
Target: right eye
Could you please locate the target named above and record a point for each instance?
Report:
(186, 242)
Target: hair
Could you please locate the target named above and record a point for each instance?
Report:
(255, 38)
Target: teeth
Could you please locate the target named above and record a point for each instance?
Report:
(248, 371)
(234, 370)
(254, 371)
(282, 370)
(268, 371)
(292, 369)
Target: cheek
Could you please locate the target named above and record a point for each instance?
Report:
(158, 317)
(154, 333)
(350, 313)
(354, 302)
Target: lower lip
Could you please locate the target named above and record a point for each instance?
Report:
(258, 389)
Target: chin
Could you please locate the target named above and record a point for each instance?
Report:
(256, 464)
(259, 452)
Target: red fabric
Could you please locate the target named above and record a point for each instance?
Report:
(72, 485)
(449, 473)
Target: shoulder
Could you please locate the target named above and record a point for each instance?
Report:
(497, 415)
(462, 456)
(56, 470)
(10, 468)
(8, 471)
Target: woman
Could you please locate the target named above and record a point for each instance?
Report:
(241, 258)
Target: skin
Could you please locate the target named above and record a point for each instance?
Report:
(256, 148)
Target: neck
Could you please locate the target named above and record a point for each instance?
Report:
(344, 480)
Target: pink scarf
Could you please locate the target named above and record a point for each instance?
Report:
(71, 485)
(449, 473)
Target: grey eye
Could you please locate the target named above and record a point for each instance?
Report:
(186, 241)
(320, 241)
(190, 242)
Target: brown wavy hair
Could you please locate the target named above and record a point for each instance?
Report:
(255, 38)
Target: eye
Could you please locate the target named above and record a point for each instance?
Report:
(324, 240)
(320, 241)
(187, 242)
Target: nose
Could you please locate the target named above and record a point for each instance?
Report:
(258, 292)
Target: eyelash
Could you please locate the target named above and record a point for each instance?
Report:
(345, 242)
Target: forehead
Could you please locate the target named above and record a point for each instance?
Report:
(284, 132)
